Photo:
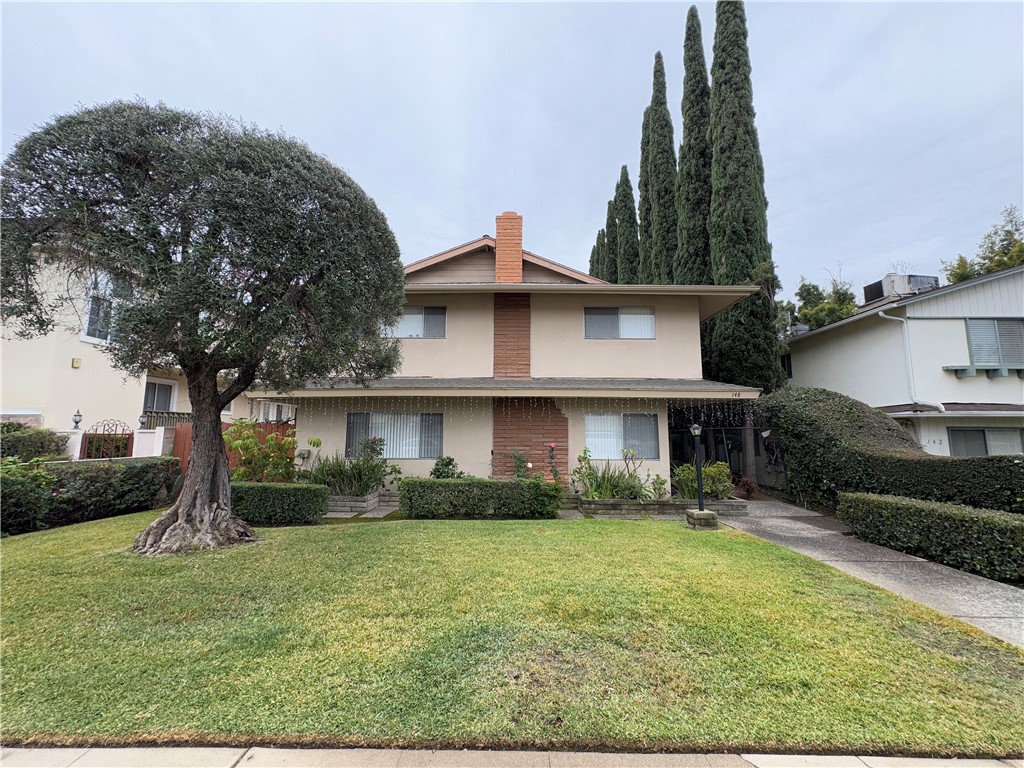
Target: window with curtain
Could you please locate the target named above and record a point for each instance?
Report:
(406, 435)
(618, 322)
(421, 323)
(985, 442)
(996, 342)
(607, 435)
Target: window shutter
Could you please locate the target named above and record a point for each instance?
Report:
(983, 342)
(601, 322)
(1011, 341)
(433, 322)
(356, 430)
(640, 434)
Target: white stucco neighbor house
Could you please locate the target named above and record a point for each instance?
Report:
(946, 362)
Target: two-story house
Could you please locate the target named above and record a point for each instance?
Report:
(947, 362)
(505, 352)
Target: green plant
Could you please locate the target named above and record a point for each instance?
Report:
(279, 503)
(716, 478)
(26, 491)
(32, 443)
(987, 542)
(480, 499)
(95, 489)
(659, 485)
(357, 476)
(7, 427)
(834, 443)
(521, 465)
(262, 457)
(445, 468)
(556, 475)
(611, 482)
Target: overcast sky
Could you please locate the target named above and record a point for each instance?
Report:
(892, 133)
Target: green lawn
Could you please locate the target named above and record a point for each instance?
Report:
(563, 634)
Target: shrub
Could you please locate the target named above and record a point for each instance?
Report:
(445, 468)
(32, 443)
(25, 493)
(358, 476)
(6, 427)
(716, 478)
(834, 443)
(90, 490)
(475, 498)
(987, 542)
(260, 457)
(279, 503)
(592, 481)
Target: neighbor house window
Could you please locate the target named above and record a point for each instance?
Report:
(421, 323)
(985, 442)
(406, 435)
(618, 322)
(996, 342)
(159, 397)
(99, 309)
(608, 435)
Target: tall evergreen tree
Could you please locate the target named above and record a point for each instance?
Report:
(745, 345)
(693, 192)
(627, 235)
(611, 238)
(644, 270)
(598, 256)
(661, 180)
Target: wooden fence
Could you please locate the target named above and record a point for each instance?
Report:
(182, 447)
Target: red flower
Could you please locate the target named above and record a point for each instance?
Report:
(552, 445)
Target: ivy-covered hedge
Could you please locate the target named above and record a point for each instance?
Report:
(90, 490)
(834, 443)
(475, 498)
(279, 503)
(982, 541)
(32, 443)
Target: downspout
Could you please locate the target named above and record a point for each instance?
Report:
(910, 366)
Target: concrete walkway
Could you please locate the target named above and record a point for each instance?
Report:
(989, 605)
(259, 757)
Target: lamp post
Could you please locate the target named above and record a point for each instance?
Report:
(76, 419)
(695, 430)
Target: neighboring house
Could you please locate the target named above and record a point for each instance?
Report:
(506, 352)
(947, 363)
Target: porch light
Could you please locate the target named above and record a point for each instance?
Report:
(77, 418)
(695, 430)
(142, 420)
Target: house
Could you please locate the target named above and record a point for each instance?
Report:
(946, 362)
(507, 355)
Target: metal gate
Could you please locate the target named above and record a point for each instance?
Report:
(108, 439)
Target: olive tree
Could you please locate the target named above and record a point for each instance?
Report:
(234, 254)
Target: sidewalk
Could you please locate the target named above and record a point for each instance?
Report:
(988, 605)
(260, 757)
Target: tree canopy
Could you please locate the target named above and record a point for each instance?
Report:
(1001, 247)
(818, 307)
(235, 254)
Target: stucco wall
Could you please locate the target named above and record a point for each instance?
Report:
(468, 346)
(560, 349)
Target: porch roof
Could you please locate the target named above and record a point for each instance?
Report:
(671, 389)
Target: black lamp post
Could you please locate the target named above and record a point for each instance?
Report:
(76, 419)
(695, 430)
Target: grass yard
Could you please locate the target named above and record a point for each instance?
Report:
(594, 634)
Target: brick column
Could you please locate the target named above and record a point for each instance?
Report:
(511, 335)
(508, 248)
(529, 425)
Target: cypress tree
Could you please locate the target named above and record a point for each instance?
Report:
(693, 192)
(661, 180)
(598, 256)
(628, 242)
(745, 346)
(644, 271)
(610, 270)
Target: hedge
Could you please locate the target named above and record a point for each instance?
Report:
(90, 490)
(29, 444)
(476, 498)
(279, 503)
(25, 494)
(834, 443)
(987, 542)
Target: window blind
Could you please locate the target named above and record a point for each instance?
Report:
(607, 435)
(406, 435)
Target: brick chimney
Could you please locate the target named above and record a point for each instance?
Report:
(508, 249)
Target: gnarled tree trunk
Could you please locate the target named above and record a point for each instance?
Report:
(201, 517)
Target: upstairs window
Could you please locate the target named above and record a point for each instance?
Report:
(618, 322)
(158, 397)
(99, 309)
(996, 342)
(406, 435)
(609, 435)
(421, 323)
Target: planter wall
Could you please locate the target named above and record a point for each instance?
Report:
(352, 504)
(674, 506)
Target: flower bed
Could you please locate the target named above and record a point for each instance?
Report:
(673, 506)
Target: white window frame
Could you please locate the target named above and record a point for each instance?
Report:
(269, 406)
(165, 382)
(984, 431)
(101, 287)
(621, 433)
(644, 311)
(1000, 349)
(420, 312)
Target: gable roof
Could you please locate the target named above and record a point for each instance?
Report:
(487, 243)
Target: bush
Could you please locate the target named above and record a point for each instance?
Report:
(90, 490)
(474, 498)
(261, 457)
(359, 476)
(593, 481)
(445, 468)
(6, 427)
(834, 443)
(25, 494)
(716, 479)
(32, 443)
(982, 541)
(279, 503)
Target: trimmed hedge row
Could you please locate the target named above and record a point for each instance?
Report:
(982, 541)
(32, 443)
(476, 498)
(834, 443)
(279, 503)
